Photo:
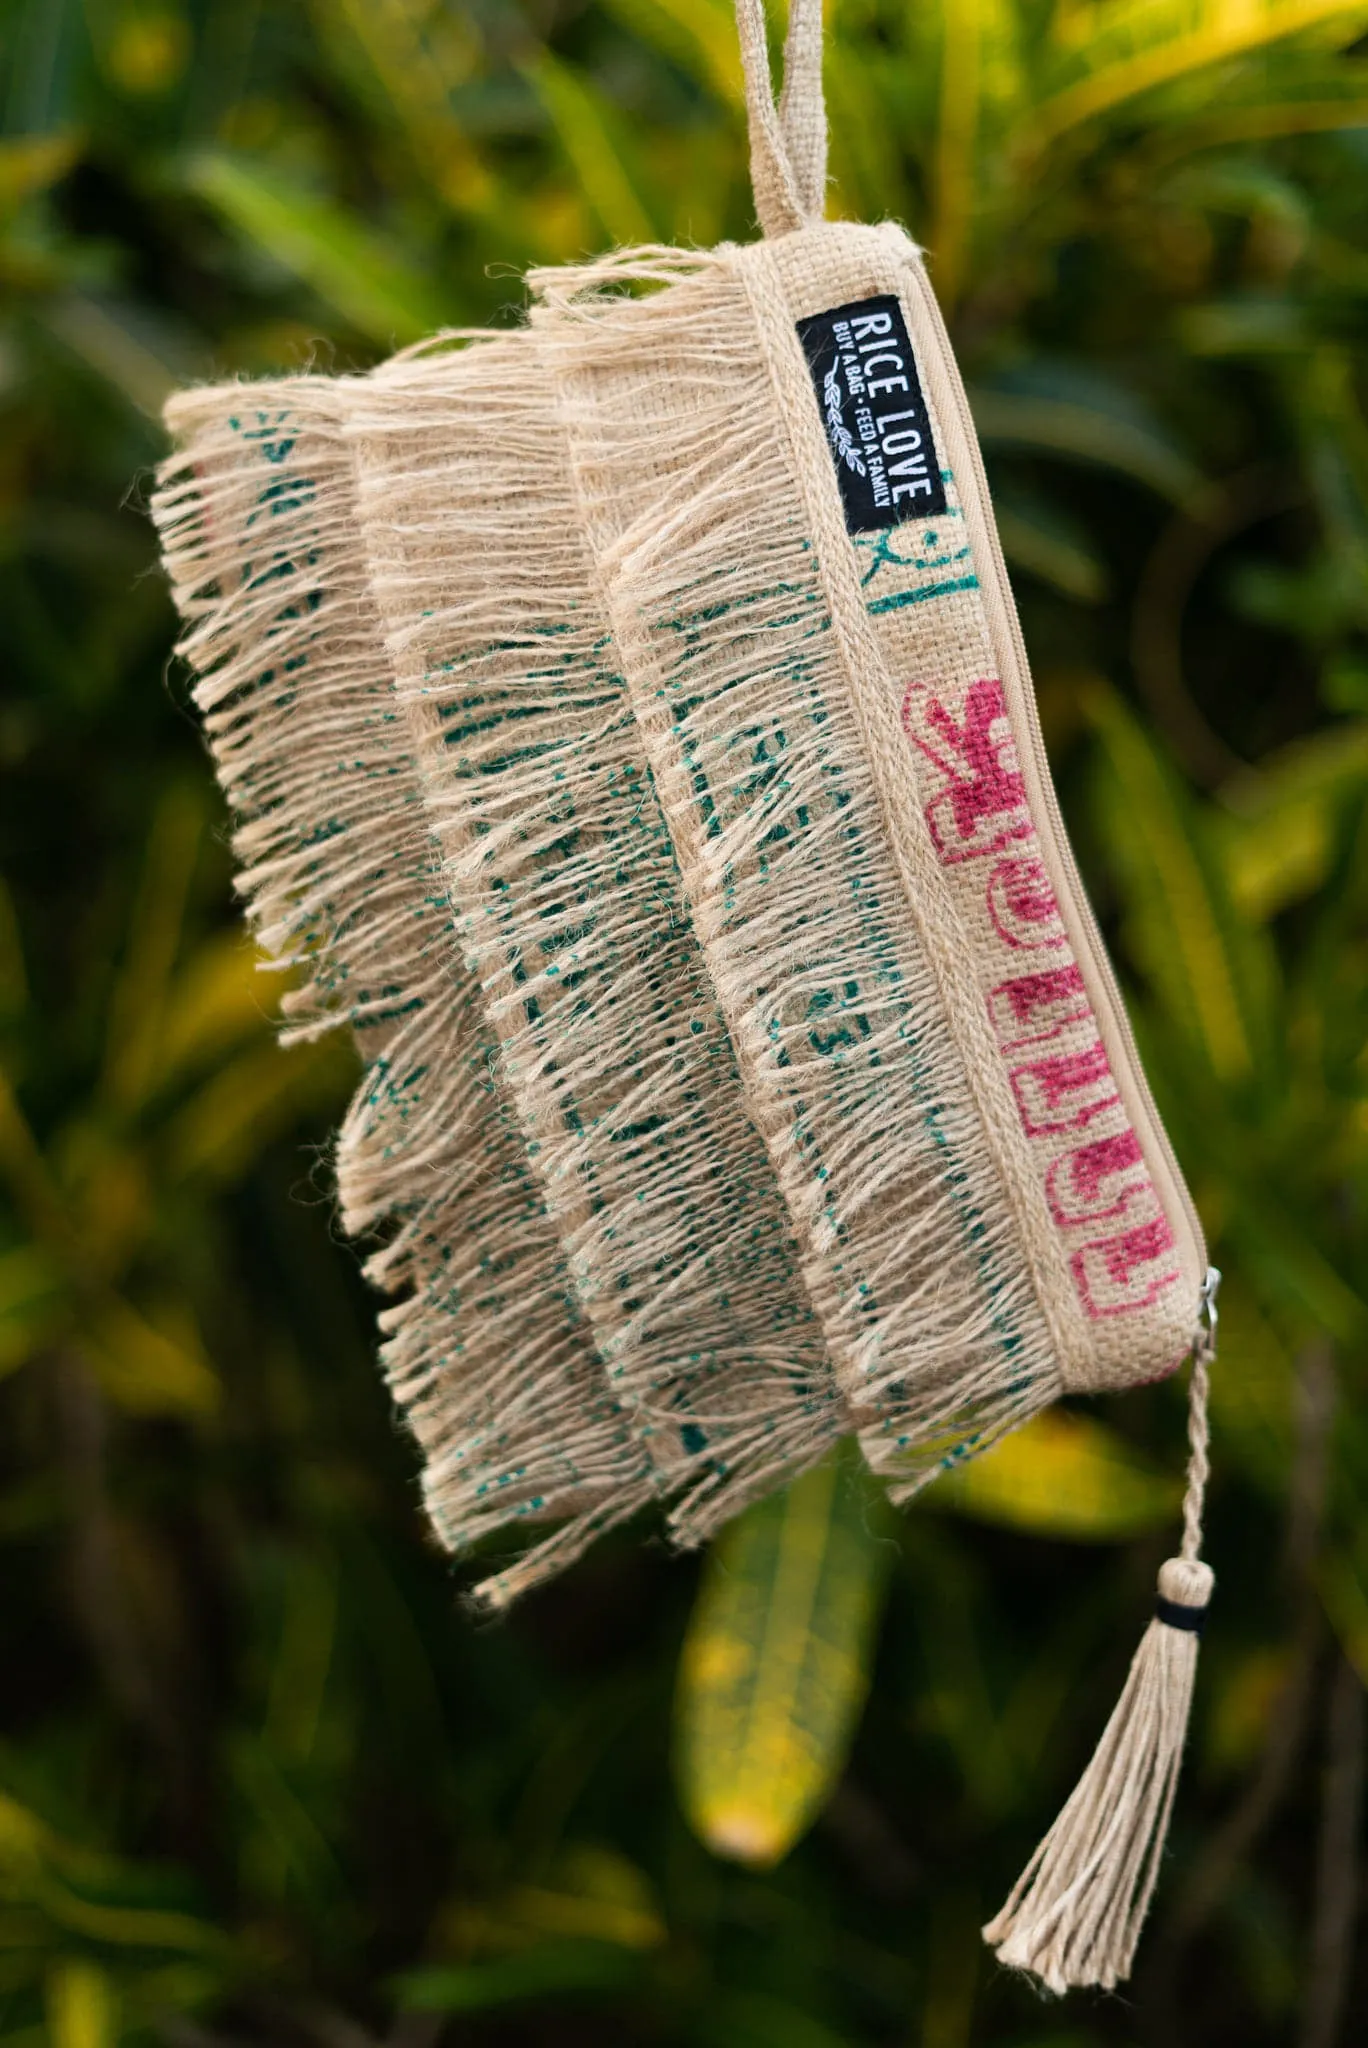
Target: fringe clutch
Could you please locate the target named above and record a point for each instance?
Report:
(632, 741)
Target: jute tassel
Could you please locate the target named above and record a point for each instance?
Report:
(1076, 1913)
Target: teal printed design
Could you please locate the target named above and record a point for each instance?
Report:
(740, 771)
(281, 544)
(903, 556)
(595, 825)
(905, 562)
(899, 598)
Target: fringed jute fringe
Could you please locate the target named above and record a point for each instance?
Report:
(484, 1349)
(571, 917)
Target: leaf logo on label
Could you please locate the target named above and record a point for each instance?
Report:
(865, 377)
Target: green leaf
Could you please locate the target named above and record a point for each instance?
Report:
(553, 1970)
(587, 134)
(1244, 327)
(284, 1845)
(409, 64)
(82, 2005)
(1277, 838)
(1344, 1593)
(1280, 1244)
(33, 163)
(1334, 101)
(757, 2019)
(14, 989)
(1046, 543)
(698, 35)
(1134, 47)
(868, 118)
(1078, 430)
(120, 345)
(349, 267)
(1062, 1475)
(248, 1100)
(145, 1369)
(33, 1303)
(776, 1665)
(139, 996)
(1210, 969)
(1252, 1394)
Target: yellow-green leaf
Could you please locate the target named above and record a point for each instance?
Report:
(245, 1102)
(345, 263)
(698, 35)
(775, 1665)
(23, 1840)
(1211, 970)
(594, 150)
(590, 1893)
(1062, 1475)
(1118, 52)
(220, 997)
(147, 1369)
(82, 2006)
(1278, 836)
(40, 1868)
(31, 163)
(32, 1303)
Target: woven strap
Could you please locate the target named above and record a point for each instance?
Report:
(788, 142)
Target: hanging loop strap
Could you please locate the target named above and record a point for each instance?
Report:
(788, 142)
(802, 110)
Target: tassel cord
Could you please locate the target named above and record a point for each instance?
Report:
(1075, 1914)
(1199, 1427)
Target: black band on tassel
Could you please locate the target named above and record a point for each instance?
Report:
(1175, 1615)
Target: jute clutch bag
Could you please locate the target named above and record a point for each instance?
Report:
(632, 740)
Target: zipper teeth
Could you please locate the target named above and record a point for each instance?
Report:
(1082, 908)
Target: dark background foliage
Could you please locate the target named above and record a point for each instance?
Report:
(262, 1779)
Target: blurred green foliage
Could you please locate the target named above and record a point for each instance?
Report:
(262, 1781)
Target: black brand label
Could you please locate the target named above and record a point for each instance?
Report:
(871, 403)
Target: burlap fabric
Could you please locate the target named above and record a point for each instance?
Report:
(574, 923)
(742, 1061)
(485, 1350)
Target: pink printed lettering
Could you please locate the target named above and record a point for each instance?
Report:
(1035, 1006)
(1098, 1180)
(1022, 905)
(1065, 1091)
(1116, 1276)
(981, 804)
(976, 805)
